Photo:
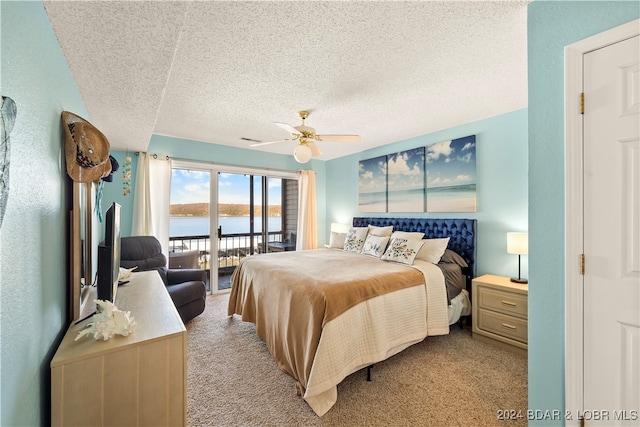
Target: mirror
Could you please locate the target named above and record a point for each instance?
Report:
(83, 238)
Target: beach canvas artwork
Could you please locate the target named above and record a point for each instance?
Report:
(372, 184)
(451, 175)
(406, 181)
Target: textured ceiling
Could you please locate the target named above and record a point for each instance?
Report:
(221, 71)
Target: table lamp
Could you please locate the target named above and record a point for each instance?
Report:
(338, 227)
(518, 243)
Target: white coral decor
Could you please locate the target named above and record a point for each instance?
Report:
(107, 321)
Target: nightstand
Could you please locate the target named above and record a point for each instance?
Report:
(500, 311)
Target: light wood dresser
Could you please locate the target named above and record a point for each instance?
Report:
(140, 379)
(499, 309)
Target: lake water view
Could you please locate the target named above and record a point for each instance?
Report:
(188, 226)
(180, 226)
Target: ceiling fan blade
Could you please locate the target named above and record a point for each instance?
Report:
(288, 128)
(339, 138)
(258, 144)
(315, 150)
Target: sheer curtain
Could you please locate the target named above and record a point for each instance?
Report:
(307, 218)
(152, 198)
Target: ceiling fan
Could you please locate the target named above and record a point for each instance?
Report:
(307, 137)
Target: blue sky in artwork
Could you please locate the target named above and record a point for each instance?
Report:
(406, 169)
(193, 186)
(373, 175)
(451, 163)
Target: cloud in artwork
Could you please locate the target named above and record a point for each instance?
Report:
(466, 158)
(383, 167)
(434, 151)
(406, 170)
(439, 181)
(399, 166)
(468, 146)
(372, 175)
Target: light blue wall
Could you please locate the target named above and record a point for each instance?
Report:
(551, 27)
(113, 191)
(501, 162)
(33, 237)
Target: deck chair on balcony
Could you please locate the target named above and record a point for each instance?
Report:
(186, 286)
(184, 260)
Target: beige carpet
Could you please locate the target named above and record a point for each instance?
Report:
(451, 380)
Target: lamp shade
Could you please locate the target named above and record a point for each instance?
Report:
(302, 153)
(518, 243)
(338, 227)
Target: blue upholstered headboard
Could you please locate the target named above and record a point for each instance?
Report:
(462, 232)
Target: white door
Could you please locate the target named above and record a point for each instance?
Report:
(612, 234)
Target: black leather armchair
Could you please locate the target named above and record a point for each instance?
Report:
(186, 286)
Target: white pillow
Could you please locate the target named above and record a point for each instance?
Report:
(402, 250)
(380, 231)
(409, 235)
(355, 239)
(375, 245)
(337, 240)
(432, 250)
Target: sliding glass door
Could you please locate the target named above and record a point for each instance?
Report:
(253, 217)
(189, 219)
(224, 214)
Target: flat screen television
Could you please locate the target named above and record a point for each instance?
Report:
(109, 256)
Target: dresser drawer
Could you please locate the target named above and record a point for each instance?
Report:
(502, 301)
(500, 324)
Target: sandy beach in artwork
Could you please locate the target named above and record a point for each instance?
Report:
(451, 206)
(452, 199)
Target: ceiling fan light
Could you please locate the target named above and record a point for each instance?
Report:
(315, 151)
(302, 153)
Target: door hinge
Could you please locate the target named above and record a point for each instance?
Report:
(582, 264)
(582, 103)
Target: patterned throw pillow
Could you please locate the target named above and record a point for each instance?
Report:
(402, 250)
(375, 245)
(355, 239)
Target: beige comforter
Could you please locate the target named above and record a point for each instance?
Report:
(292, 296)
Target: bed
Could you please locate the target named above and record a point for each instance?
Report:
(324, 314)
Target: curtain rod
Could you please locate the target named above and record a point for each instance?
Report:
(155, 156)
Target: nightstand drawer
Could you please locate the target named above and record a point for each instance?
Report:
(499, 324)
(504, 302)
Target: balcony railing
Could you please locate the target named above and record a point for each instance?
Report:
(231, 248)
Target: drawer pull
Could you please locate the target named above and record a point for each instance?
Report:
(509, 303)
(506, 325)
